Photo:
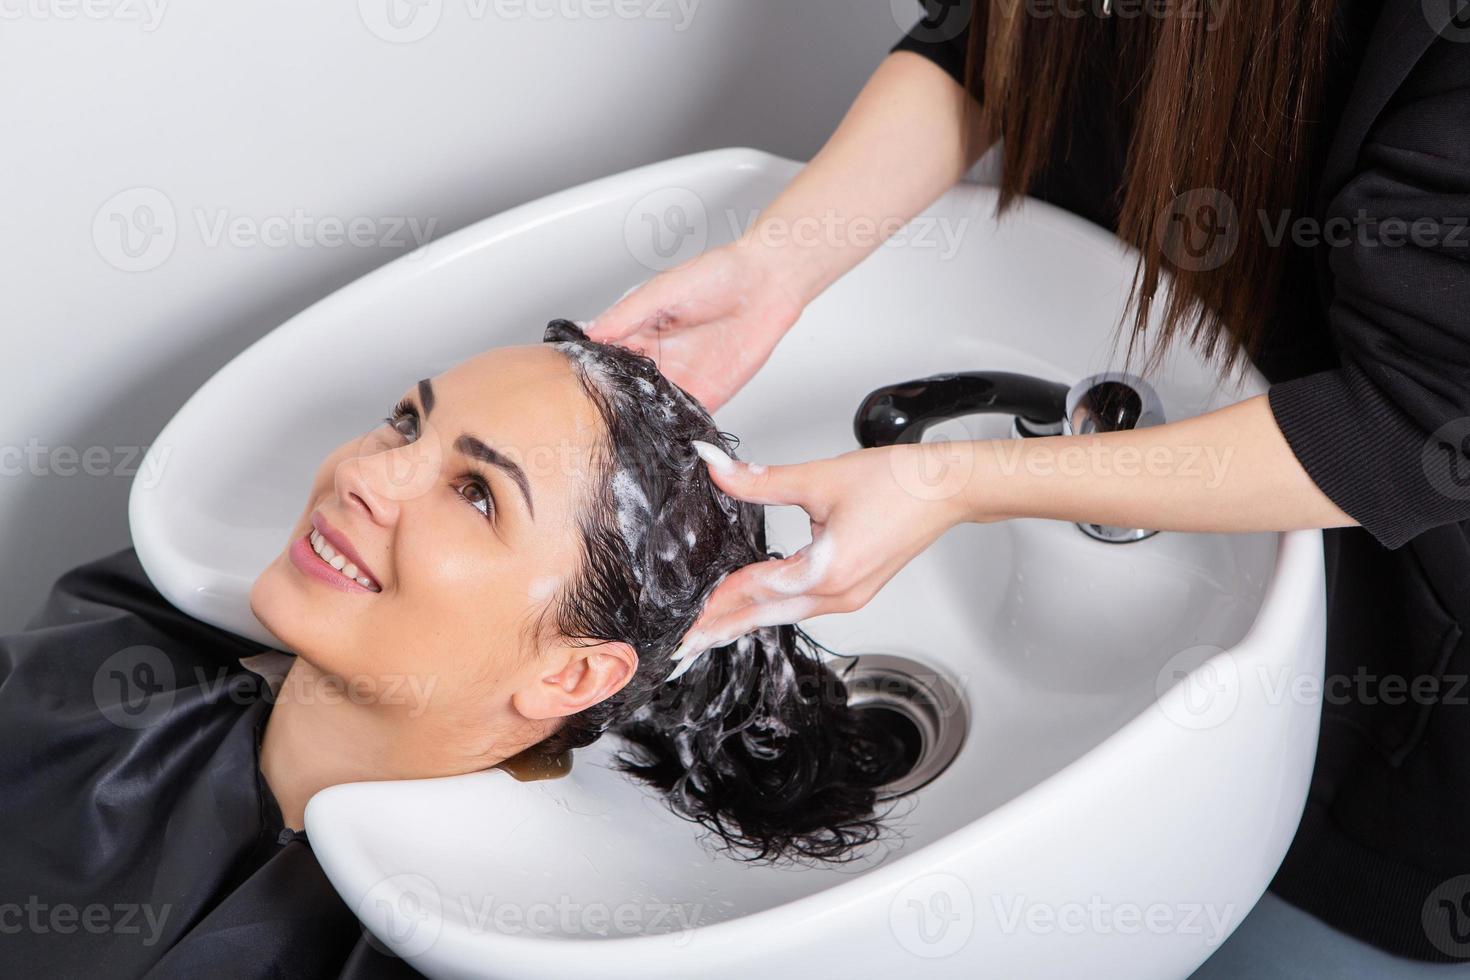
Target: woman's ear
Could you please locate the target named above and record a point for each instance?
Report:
(590, 674)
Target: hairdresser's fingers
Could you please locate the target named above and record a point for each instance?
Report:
(773, 485)
(733, 602)
(783, 612)
(699, 643)
(776, 592)
(661, 303)
(762, 608)
(735, 593)
(787, 612)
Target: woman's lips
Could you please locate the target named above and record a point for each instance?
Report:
(306, 559)
(312, 566)
(342, 546)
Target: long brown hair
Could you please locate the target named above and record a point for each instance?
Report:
(1222, 112)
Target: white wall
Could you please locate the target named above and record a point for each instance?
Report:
(185, 114)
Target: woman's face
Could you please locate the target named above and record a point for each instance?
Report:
(462, 517)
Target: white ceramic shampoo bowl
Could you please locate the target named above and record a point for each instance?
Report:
(1136, 762)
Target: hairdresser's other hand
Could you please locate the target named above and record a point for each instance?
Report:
(712, 322)
(872, 511)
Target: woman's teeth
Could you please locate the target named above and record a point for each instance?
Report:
(327, 554)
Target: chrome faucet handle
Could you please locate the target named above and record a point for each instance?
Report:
(1113, 401)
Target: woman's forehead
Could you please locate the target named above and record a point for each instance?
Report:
(524, 364)
(528, 404)
(533, 389)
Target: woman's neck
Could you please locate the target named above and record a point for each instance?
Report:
(317, 736)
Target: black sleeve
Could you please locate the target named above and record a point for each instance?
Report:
(943, 37)
(1387, 434)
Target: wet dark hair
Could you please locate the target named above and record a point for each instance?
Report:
(756, 741)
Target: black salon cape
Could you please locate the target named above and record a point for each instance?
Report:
(137, 836)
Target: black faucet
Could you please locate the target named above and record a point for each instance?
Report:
(1109, 402)
(901, 413)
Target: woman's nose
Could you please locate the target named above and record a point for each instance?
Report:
(382, 481)
(357, 486)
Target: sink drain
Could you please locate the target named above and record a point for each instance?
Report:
(915, 704)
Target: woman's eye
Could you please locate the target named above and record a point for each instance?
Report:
(405, 422)
(476, 493)
(475, 490)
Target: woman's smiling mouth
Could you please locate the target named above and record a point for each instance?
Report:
(324, 553)
(327, 554)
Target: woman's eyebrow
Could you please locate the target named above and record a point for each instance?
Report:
(475, 448)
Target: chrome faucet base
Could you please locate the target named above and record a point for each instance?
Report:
(1111, 402)
(1114, 535)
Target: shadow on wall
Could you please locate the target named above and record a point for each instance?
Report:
(196, 177)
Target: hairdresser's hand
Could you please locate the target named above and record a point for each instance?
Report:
(711, 322)
(872, 512)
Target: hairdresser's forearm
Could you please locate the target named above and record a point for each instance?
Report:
(1230, 470)
(897, 150)
(874, 510)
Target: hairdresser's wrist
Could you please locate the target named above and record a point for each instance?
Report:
(995, 488)
(799, 268)
(964, 480)
(940, 475)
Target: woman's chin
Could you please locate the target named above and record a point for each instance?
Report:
(278, 602)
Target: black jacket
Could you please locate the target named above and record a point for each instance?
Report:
(1369, 365)
(137, 836)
